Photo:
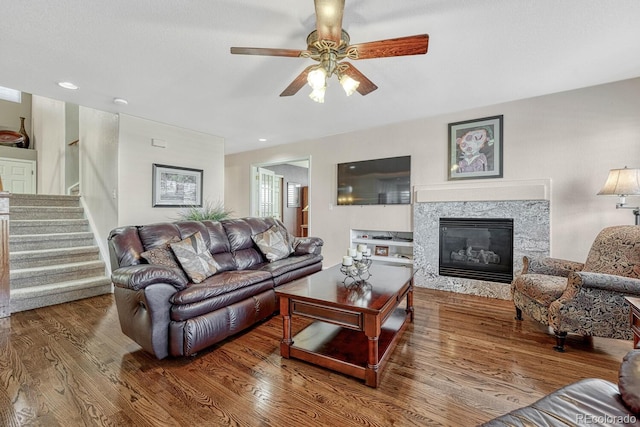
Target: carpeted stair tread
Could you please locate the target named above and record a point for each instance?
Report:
(54, 268)
(43, 257)
(54, 252)
(57, 293)
(43, 200)
(46, 212)
(53, 255)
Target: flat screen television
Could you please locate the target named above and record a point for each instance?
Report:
(375, 182)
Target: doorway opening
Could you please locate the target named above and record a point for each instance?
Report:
(281, 190)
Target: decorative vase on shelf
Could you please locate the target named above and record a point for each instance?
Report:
(23, 132)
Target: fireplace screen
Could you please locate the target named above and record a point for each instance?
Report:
(477, 248)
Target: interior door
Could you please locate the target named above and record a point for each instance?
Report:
(269, 194)
(18, 176)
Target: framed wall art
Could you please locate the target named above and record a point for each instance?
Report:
(175, 187)
(475, 149)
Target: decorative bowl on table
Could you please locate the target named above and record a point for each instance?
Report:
(11, 138)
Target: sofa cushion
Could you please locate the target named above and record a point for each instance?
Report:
(273, 244)
(244, 250)
(629, 380)
(180, 312)
(219, 284)
(158, 235)
(125, 247)
(195, 258)
(162, 255)
(282, 266)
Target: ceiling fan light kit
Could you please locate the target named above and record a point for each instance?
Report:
(317, 78)
(330, 45)
(318, 95)
(348, 84)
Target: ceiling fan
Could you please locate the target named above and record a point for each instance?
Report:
(329, 45)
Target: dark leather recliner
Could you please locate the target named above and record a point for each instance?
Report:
(167, 315)
(589, 401)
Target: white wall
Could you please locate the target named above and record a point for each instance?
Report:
(48, 139)
(10, 113)
(572, 138)
(98, 154)
(184, 148)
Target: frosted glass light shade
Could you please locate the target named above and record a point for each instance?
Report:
(318, 95)
(349, 85)
(622, 182)
(317, 78)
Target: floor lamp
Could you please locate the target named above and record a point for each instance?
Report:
(622, 183)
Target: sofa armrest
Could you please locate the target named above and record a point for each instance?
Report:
(145, 316)
(136, 277)
(307, 245)
(606, 282)
(550, 266)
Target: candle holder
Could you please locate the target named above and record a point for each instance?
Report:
(358, 272)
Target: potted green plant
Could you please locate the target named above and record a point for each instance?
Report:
(209, 211)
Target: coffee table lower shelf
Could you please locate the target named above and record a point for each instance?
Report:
(346, 350)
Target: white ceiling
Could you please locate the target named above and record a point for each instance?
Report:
(170, 59)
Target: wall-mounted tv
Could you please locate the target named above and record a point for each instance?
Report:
(375, 182)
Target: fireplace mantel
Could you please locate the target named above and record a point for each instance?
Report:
(527, 202)
(490, 191)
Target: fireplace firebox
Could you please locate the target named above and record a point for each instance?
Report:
(477, 248)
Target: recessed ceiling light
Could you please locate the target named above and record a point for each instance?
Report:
(68, 85)
(120, 101)
(262, 139)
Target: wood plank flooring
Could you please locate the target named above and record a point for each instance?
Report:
(463, 361)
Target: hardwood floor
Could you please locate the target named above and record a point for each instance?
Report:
(463, 361)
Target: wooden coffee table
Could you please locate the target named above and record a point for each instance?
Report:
(356, 327)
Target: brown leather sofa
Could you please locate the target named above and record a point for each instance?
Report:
(167, 314)
(587, 402)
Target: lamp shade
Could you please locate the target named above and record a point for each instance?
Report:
(622, 182)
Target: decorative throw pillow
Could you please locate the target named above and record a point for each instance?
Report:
(162, 255)
(289, 239)
(629, 380)
(272, 244)
(195, 258)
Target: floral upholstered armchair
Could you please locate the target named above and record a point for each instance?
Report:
(583, 298)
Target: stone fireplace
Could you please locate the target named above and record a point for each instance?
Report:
(526, 204)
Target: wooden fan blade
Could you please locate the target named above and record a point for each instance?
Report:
(411, 45)
(366, 86)
(298, 82)
(265, 51)
(329, 19)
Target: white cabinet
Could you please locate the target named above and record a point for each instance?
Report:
(389, 247)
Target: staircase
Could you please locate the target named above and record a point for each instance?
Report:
(52, 252)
